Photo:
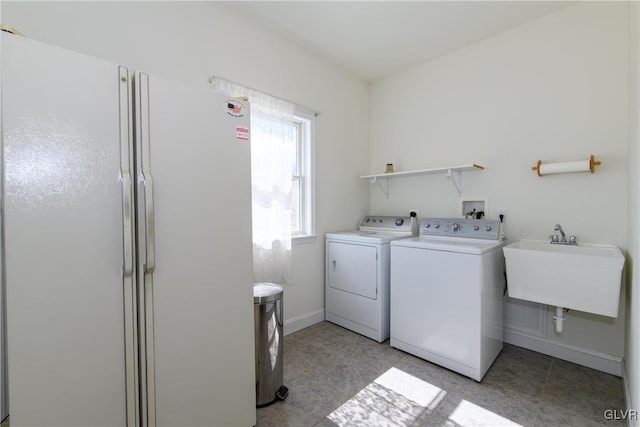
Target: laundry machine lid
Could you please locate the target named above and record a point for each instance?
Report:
(450, 244)
(374, 237)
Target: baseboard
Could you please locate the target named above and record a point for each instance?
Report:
(581, 356)
(627, 395)
(600, 361)
(303, 321)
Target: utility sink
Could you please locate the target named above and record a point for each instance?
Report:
(586, 277)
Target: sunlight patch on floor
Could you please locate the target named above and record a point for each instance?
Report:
(398, 399)
(394, 399)
(469, 414)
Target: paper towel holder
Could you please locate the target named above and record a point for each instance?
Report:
(592, 166)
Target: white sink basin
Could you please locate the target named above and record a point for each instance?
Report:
(586, 277)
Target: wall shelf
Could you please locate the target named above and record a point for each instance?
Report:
(449, 171)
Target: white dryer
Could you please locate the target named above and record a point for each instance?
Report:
(447, 286)
(357, 274)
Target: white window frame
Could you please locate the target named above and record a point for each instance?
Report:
(305, 121)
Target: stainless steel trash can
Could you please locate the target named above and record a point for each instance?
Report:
(267, 308)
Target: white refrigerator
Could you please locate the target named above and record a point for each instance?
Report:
(127, 246)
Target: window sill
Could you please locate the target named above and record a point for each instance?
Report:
(301, 240)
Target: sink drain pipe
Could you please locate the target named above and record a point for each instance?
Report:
(559, 318)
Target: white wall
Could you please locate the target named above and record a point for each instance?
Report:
(554, 89)
(191, 41)
(632, 341)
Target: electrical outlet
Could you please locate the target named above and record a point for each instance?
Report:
(502, 212)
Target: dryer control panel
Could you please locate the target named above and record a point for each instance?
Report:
(404, 224)
(487, 229)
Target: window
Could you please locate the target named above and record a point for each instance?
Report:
(281, 158)
(302, 220)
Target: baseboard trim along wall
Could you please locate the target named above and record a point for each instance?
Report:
(602, 362)
(581, 356)
(303, 321)
(632, 420)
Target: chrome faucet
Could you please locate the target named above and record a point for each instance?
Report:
(555, 239)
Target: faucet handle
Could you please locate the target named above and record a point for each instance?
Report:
(554, 238)
(572, 240)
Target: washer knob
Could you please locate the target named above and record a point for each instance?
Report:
(488, 228)
(437, 226)
(455, 226)
(399, 222)
(476, 228)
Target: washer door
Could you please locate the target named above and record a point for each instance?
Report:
(353, 268)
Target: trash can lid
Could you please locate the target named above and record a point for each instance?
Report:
(266, 292)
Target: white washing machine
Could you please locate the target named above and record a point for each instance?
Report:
(357, 274)
(447, 286)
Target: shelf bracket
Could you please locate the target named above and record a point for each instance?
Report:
(458, 183)
(374, 180)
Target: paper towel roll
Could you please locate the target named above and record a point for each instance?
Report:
(565, 167)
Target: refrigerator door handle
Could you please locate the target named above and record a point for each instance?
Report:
(149, 249)
(150, 263)
(147, 178)
(128, 246)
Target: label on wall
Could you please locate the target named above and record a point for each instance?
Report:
(235, 107)
(242, 133)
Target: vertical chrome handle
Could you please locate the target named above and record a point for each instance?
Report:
(129, 297)
(150, 263)
(149, 239)
(127, 224)
(147, 178)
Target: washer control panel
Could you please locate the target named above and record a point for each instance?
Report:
(459, 227)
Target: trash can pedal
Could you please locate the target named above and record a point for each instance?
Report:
(282, 393)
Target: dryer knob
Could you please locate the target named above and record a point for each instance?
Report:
(455, 226)
(488, 228)
(399, 222)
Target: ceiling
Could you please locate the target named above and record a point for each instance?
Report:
(374, 39)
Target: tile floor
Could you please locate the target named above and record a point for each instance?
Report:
(330, 373)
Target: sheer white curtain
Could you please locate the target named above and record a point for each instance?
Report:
(272, 157)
